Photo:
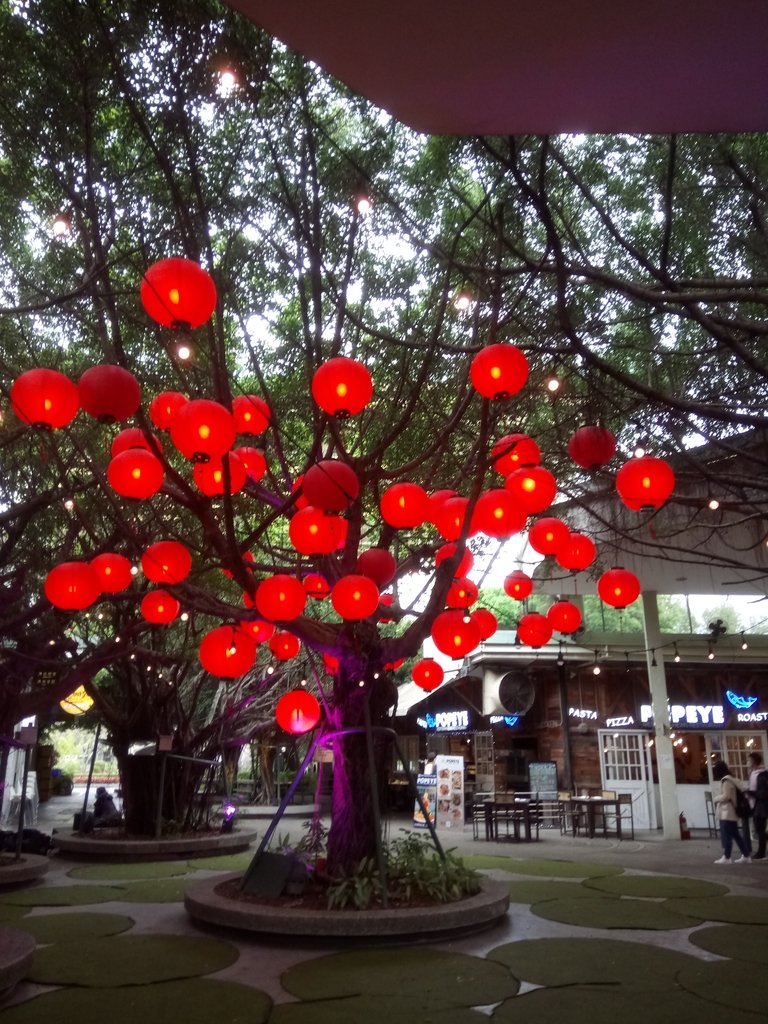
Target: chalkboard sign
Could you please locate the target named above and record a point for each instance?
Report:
(542, 777)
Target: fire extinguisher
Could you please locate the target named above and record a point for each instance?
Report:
(685, 832)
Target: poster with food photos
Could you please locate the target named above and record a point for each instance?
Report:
(449, 772)
(427, 786)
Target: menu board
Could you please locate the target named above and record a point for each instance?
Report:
(427, 787)
(542, 777)
(450, 791)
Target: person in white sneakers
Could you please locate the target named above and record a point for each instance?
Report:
(725, 809)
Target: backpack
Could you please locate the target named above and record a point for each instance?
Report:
(742, 805)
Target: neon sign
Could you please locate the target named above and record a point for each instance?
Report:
(509, 720)
(445, 721)
(688, 714)
(741, 703)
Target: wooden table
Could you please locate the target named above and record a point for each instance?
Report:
(589, 806)
(519, 814)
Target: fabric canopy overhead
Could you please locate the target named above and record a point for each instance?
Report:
(540, 66)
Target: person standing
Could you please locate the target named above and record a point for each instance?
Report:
(758, 797)
(725, 809)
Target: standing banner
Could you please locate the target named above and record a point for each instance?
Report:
(449, 771)
(427, 786)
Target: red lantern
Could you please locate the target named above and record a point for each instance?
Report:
(257, 629)
(377, 564)
(618, 587)
(577, 553)
(202, 430)
(72, 585)
(297, 712)
(404, 505)
(330, 485)
(464, 566)
(109, 393)
(134, 437)
(513, 452)
(316, 586)
(455, 634)
(159, 607)
(533, 488)
(342, 387)
(251, 414)
(227, 652)
(436, 500)
(164, 407)
(167, 561)
(591, 446)
(209, 476)
(355, 597)
(499, 371)
(135, 473)
(461, 594)
(386, 601)
(427, 674)
(113, 572)
(646, 482)
(518, 585)
(564, 616)
(486, 622)
(393, 666)
(280, 598)
(548, 535)
(254, 461)
(497, 515)
(534, 630)
(330, 664)
(284, 645)
(449, 517)
(313, 532)
(46, 399)
(178, 293)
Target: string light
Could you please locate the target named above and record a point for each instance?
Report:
(677, 654)
(713, 504)
(744, 644)
(654, 663)
(553, 384)
(711, 653)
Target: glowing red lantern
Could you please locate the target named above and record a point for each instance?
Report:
(455, 634)
(646, 482)
(159, 607)
(202, 430)
(331, 485)
(251, 414)
(109, 393)
(513, 452)
(404, 505)
(254, 461)
(499, 371)
(393, 666)
(342, 387)
(618, 587)
(355, 597)
(330, 664)
(113, 572)
(497, 515)
(164, 407)
(461, 594)
(534, 630)
(548, 535)
(449, 517)
(280, 598)
(313, 532)
(46, 399)
(377, 564)
(564, 616)
(257, 629)
(576, 553)
(134, 437)
(166, 561)
(533, 488)
(592, 446)
(135, 473)
(518, 585)
(284, 645)
(436, 500)
(209, 476)
(297, 712)
(386, 601)
(178, 293)
(72, 586)
(316, 586)
(465, 564)
(427, 674)
(486, 622)
(227, 652)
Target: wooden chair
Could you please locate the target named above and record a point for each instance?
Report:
(566, 811)
(627, 813)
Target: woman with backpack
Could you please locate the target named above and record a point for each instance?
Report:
(725, 808)
(758, 797)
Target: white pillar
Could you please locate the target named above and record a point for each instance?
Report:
(665, 761)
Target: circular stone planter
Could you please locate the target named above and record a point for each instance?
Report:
(17, 950)
(475, 913)
(28, 868)
(152, 849)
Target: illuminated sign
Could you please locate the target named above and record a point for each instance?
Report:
(584, 713)
(752, 716)
(688, 714)
(619, 721)
(509, 720)
(742, 703)
(445, 721)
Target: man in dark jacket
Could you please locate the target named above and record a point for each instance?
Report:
(757, 791)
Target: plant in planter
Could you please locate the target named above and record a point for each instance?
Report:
(62, 783)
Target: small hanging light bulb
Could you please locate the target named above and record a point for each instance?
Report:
(463, 301)
(677, 654)
(713, 504)
(61, 225)
(711, 653)
(744, 644)
(638, 452)
(363, 204)
(553, 384)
